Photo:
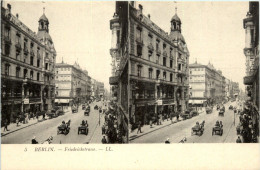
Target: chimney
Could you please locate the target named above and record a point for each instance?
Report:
(149, 16)
(9, 7)
(141, 8)
(17, 16)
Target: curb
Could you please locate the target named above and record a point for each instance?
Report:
(19, 129)
(24, 127)
(153, 130)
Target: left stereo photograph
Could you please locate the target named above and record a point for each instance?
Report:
(64, 76)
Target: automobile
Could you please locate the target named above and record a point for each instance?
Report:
(64, 129)
(209, 110)
(83, 129)
(217, 130)
(86, 112)
(221, 113)
(74, 109)
(198, 129)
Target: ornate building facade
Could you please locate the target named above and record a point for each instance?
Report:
(120, 61)
(158, 67)
(251, 51)
(27, 66)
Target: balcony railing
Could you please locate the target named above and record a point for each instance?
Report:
(139, 40)
(25, 50)
(8, 39)
(18, 45)
(248, 80)
(158, 51)
(32, 53)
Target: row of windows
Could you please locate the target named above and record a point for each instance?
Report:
(150, 75)
(63, 69)
(196, 69)
(18, 73)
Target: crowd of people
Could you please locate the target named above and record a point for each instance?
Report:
(248, 127)
(112, 131)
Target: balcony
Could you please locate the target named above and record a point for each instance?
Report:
(165, 53)
(158, 51)
(139, 41)
(35, 99)
(26, 50)
(18, 46)
(248, 80)
(32, 53)
(113, 80)
(150, 47)
(8, 39)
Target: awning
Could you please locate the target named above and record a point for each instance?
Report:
(62, 100)
(197, 101)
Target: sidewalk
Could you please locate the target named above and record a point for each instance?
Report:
(13, 127)
(146, 128)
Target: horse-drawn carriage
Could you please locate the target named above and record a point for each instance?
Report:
(87, 111)
(217, 129)
(83, 107)
(198, 128)
(64, 128)
(83, 128)
(74, 109)
(209, 110)
(221, 111)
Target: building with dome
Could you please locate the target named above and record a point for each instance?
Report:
(158, 68)
(27, 66)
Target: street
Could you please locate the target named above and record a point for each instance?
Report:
(176, 132)
(47, 128)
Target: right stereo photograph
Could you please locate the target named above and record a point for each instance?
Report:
(193, 72)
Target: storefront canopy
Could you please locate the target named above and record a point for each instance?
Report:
(62, 100)
(197, 101)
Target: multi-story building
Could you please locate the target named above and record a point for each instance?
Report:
(27, 66)
(158, 67)
(251, 51)
(207, 85)
(89, 90)
(71, 83)
(100, 89)
(119, 53)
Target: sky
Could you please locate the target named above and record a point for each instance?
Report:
(213, 32)
(80, 31)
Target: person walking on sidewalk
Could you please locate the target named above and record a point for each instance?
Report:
(17, 121)
(139, 127)
(5, 125)
(103, 129)
(238, 140)
(104, 140)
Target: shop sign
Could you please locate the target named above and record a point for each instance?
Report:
(26, 101)
(159, 102)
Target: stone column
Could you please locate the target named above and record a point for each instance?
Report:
(156, 98)
(41, 96)
(175, 98)
(22, 96)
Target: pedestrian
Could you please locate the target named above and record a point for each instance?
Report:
(34, 141)
(177, 116)
(5, 125)
(238, 140)
(43, 115)
(139, 127)
(167, 141)
(103, 129)
(104, 140)
(17, 121)
(171, 115)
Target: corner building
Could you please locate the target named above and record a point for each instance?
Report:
(158, 68)
(27, 66)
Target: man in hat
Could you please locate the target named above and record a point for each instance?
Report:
(34, 140)
(167, 141)
(104, 140)
(238, 140)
